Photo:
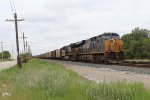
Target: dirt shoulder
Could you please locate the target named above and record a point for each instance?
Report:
(107, 75)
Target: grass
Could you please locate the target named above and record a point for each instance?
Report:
(39, 80)
(139, 60)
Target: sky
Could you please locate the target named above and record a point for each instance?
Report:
(52, 24)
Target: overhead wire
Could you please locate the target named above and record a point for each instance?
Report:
(11, 6)
(14, 6)
(13, 9)
(19, 26)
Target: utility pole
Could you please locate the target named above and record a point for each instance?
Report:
(12, 55)
(29, 52)
(26, 46)
(2, 49)
(23, 37)
(16, 20)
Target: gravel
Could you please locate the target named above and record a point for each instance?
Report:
(101, 73)
(126, 69)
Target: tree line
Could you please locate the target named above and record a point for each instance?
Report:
(6, 55)
(137, 44)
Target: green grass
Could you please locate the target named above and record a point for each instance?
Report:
(139, 60)
(39, 80)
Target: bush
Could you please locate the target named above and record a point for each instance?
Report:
(24, 57)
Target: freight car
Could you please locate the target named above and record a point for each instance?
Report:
(104, 48)
(53, 54)
(58, 53)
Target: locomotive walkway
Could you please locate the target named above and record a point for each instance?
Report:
(105, 74)
(7, 64)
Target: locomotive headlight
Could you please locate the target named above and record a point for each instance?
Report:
(113, 41)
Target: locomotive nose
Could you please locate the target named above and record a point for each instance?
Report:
(113, 40)
(116, 45)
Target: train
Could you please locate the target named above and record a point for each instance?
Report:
(104, 48)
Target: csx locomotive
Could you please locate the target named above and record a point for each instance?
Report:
(104, 48)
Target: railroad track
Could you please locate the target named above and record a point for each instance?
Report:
(139, 68)
(136, 64)
(139, 64)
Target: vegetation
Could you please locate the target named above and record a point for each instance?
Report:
(137, 44)
(6, 55)
(24, 57)
(39, 80)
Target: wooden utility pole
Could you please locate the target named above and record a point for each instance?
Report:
(29, 51)
(16, 20)
(26, 46)
(12, 55)
(23, 37)
(2, 50)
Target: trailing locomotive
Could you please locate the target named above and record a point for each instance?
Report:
(104, 48)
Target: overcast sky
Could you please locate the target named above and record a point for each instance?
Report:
(51, 24)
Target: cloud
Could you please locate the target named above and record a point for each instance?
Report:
(51, 24)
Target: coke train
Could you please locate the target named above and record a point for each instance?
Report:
(104, 48)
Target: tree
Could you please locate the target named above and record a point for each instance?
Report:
(6, 55)
(146, 46)
(138, 34)
(137, 44)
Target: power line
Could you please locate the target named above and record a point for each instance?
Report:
(11, 6)
(14, 7)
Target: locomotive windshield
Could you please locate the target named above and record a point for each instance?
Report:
(110, 35)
